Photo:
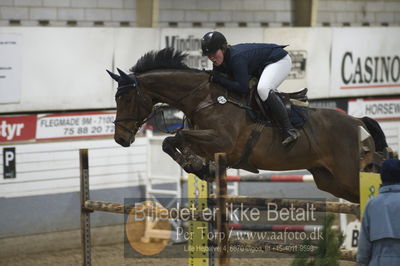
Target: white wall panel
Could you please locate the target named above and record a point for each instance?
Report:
(48, 168)
(64, 68)
(53, 167)
(131, 44)
(241, 35)
(160, 164)
(392, 132)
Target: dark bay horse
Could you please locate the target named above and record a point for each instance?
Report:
(329, 145)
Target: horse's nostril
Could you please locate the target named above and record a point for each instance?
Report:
(121, 141)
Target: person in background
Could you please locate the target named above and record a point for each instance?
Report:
(270, 63)
(379, 242)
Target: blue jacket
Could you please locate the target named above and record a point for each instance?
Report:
(246, 60)
(379, 242)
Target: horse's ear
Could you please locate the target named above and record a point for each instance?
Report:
(123, 74)
(113, 76)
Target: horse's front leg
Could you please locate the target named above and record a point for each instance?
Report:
(202, 168)
(194, 150)
(186, 158)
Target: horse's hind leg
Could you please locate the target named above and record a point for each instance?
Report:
(341, 160)
(327, 181)
(345, 164)
(324, 180)
(348, 180)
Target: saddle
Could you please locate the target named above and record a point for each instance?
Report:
(296, 104)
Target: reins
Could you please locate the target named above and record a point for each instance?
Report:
(198, 87)
(223, 99)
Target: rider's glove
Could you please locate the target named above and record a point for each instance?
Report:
(215, 77)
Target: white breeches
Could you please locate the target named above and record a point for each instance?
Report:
(273, 75)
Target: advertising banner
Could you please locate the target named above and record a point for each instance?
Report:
(369, 188)
(188, 41)
(75, 125)
(365, 62)
(10, 68)
(379, 109)
(17, 128)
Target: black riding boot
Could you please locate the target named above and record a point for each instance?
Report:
(280, 115)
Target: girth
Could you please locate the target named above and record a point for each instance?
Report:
(251, 142)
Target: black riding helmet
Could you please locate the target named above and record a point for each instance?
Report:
(212, 41)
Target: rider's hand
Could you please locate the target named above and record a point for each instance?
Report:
(215, 77)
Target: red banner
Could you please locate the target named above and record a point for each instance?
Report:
(17, 128)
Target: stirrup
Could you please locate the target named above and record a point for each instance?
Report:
(293, 135)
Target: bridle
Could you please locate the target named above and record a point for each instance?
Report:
(139, 122)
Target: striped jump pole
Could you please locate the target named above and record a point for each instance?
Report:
(266, 177)
(151, 211)
(222, 225)
(317, 206)
(275, 227)
(278, 178)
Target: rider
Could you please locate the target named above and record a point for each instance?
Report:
(269, 62)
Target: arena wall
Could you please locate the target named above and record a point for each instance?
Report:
(68, 65)
(196, 13)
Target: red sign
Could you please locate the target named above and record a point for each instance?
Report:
(17, 128)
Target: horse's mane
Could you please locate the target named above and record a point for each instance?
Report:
(167, 58)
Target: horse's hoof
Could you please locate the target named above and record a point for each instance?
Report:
(209, 179)
(206, 178)
(206, 173)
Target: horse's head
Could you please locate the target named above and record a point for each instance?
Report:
(133, 107)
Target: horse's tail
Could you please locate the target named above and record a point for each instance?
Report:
(376, 132)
